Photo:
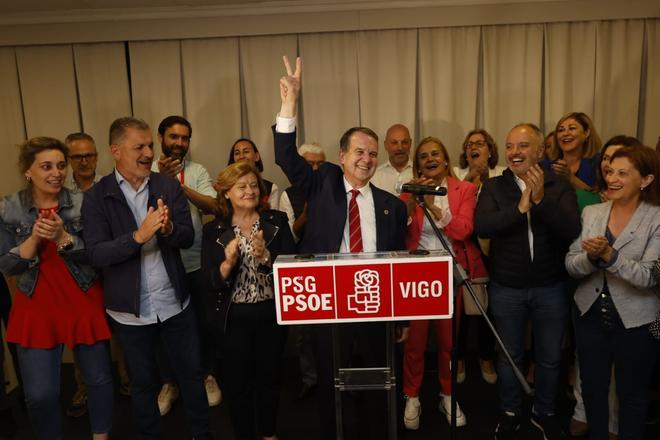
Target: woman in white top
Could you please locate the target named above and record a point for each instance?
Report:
(478, 160)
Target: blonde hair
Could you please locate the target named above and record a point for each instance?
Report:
(228, 178)
(438, 142)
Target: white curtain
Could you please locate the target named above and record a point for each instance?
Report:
(48, 90)
(651, 127)
(156, 87)
(330, 97)
(262, 67)
(569, 68)
(448, 75)
(212, 98)
(11, 115)
(387, 76)
(513, 58)
(103, 91)
(618, 76)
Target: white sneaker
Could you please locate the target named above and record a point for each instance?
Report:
(445, 408)
(213, 393)
(169, 392)
(411, 413)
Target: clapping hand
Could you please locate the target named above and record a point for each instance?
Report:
(156, 220)
(49, 226)
(597, 248)
(169, 166)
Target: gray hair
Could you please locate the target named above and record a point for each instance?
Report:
(314, 148)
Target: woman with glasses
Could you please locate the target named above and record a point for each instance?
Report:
(478, 160)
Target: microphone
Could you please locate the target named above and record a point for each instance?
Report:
(421, 190)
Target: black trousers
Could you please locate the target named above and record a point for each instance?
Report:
(602, 342)
(252, 347)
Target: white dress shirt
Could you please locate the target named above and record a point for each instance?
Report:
(386, 176)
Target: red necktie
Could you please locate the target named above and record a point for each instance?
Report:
(354, 223)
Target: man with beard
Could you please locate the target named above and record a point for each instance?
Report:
(398, 167)
(174, 134)
(531, 218)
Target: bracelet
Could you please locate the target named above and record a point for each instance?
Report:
(65, 244)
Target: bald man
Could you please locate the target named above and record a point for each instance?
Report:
(398, 167)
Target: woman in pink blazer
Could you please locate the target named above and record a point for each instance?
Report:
(454, 216)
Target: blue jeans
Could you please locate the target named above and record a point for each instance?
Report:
(634, 353)
(179, 337)
(548, 310)
(41, 382)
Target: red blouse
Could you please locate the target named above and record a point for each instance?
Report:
(58, 312)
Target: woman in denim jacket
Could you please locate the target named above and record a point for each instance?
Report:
(59, 301)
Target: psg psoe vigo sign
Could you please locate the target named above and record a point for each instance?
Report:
(363, 287)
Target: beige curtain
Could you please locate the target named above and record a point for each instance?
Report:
(387, 75)
(11, 115)
(618, 75)
(156, 82)
(330, 94)
(650, 130)
(569, 68)
(513, 57)
(448, 75)
(48, 90)
(262, 67)
(104, 93)
(438, 81)
(211, 85)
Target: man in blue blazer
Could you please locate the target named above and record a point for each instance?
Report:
(135, 224)
(329, 191)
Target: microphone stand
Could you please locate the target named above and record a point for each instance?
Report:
(461, 279)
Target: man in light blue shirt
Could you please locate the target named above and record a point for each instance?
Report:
(135, 224)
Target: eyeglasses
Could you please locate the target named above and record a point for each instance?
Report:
(80, 157)
(475, 144)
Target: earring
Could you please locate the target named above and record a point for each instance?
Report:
(490, 155)
(29, 179)
(446, 164)
(642, 188)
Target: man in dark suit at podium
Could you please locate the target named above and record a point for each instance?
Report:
(345, 213)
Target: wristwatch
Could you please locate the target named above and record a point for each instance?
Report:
(65, 244)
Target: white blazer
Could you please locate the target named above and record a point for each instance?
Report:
(630, 279)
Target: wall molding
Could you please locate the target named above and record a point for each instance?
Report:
(272, 18)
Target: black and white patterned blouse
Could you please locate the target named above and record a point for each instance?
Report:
(251, 286)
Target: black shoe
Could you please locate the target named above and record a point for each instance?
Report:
(7, 424)
(548, 426)
(78, 406)
(306, 390)
(507, 426)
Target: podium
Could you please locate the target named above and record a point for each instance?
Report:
(364, 287)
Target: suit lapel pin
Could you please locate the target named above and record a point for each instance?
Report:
(386, 211)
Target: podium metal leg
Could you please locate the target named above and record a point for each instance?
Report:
(366, 379)
(339, 416)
